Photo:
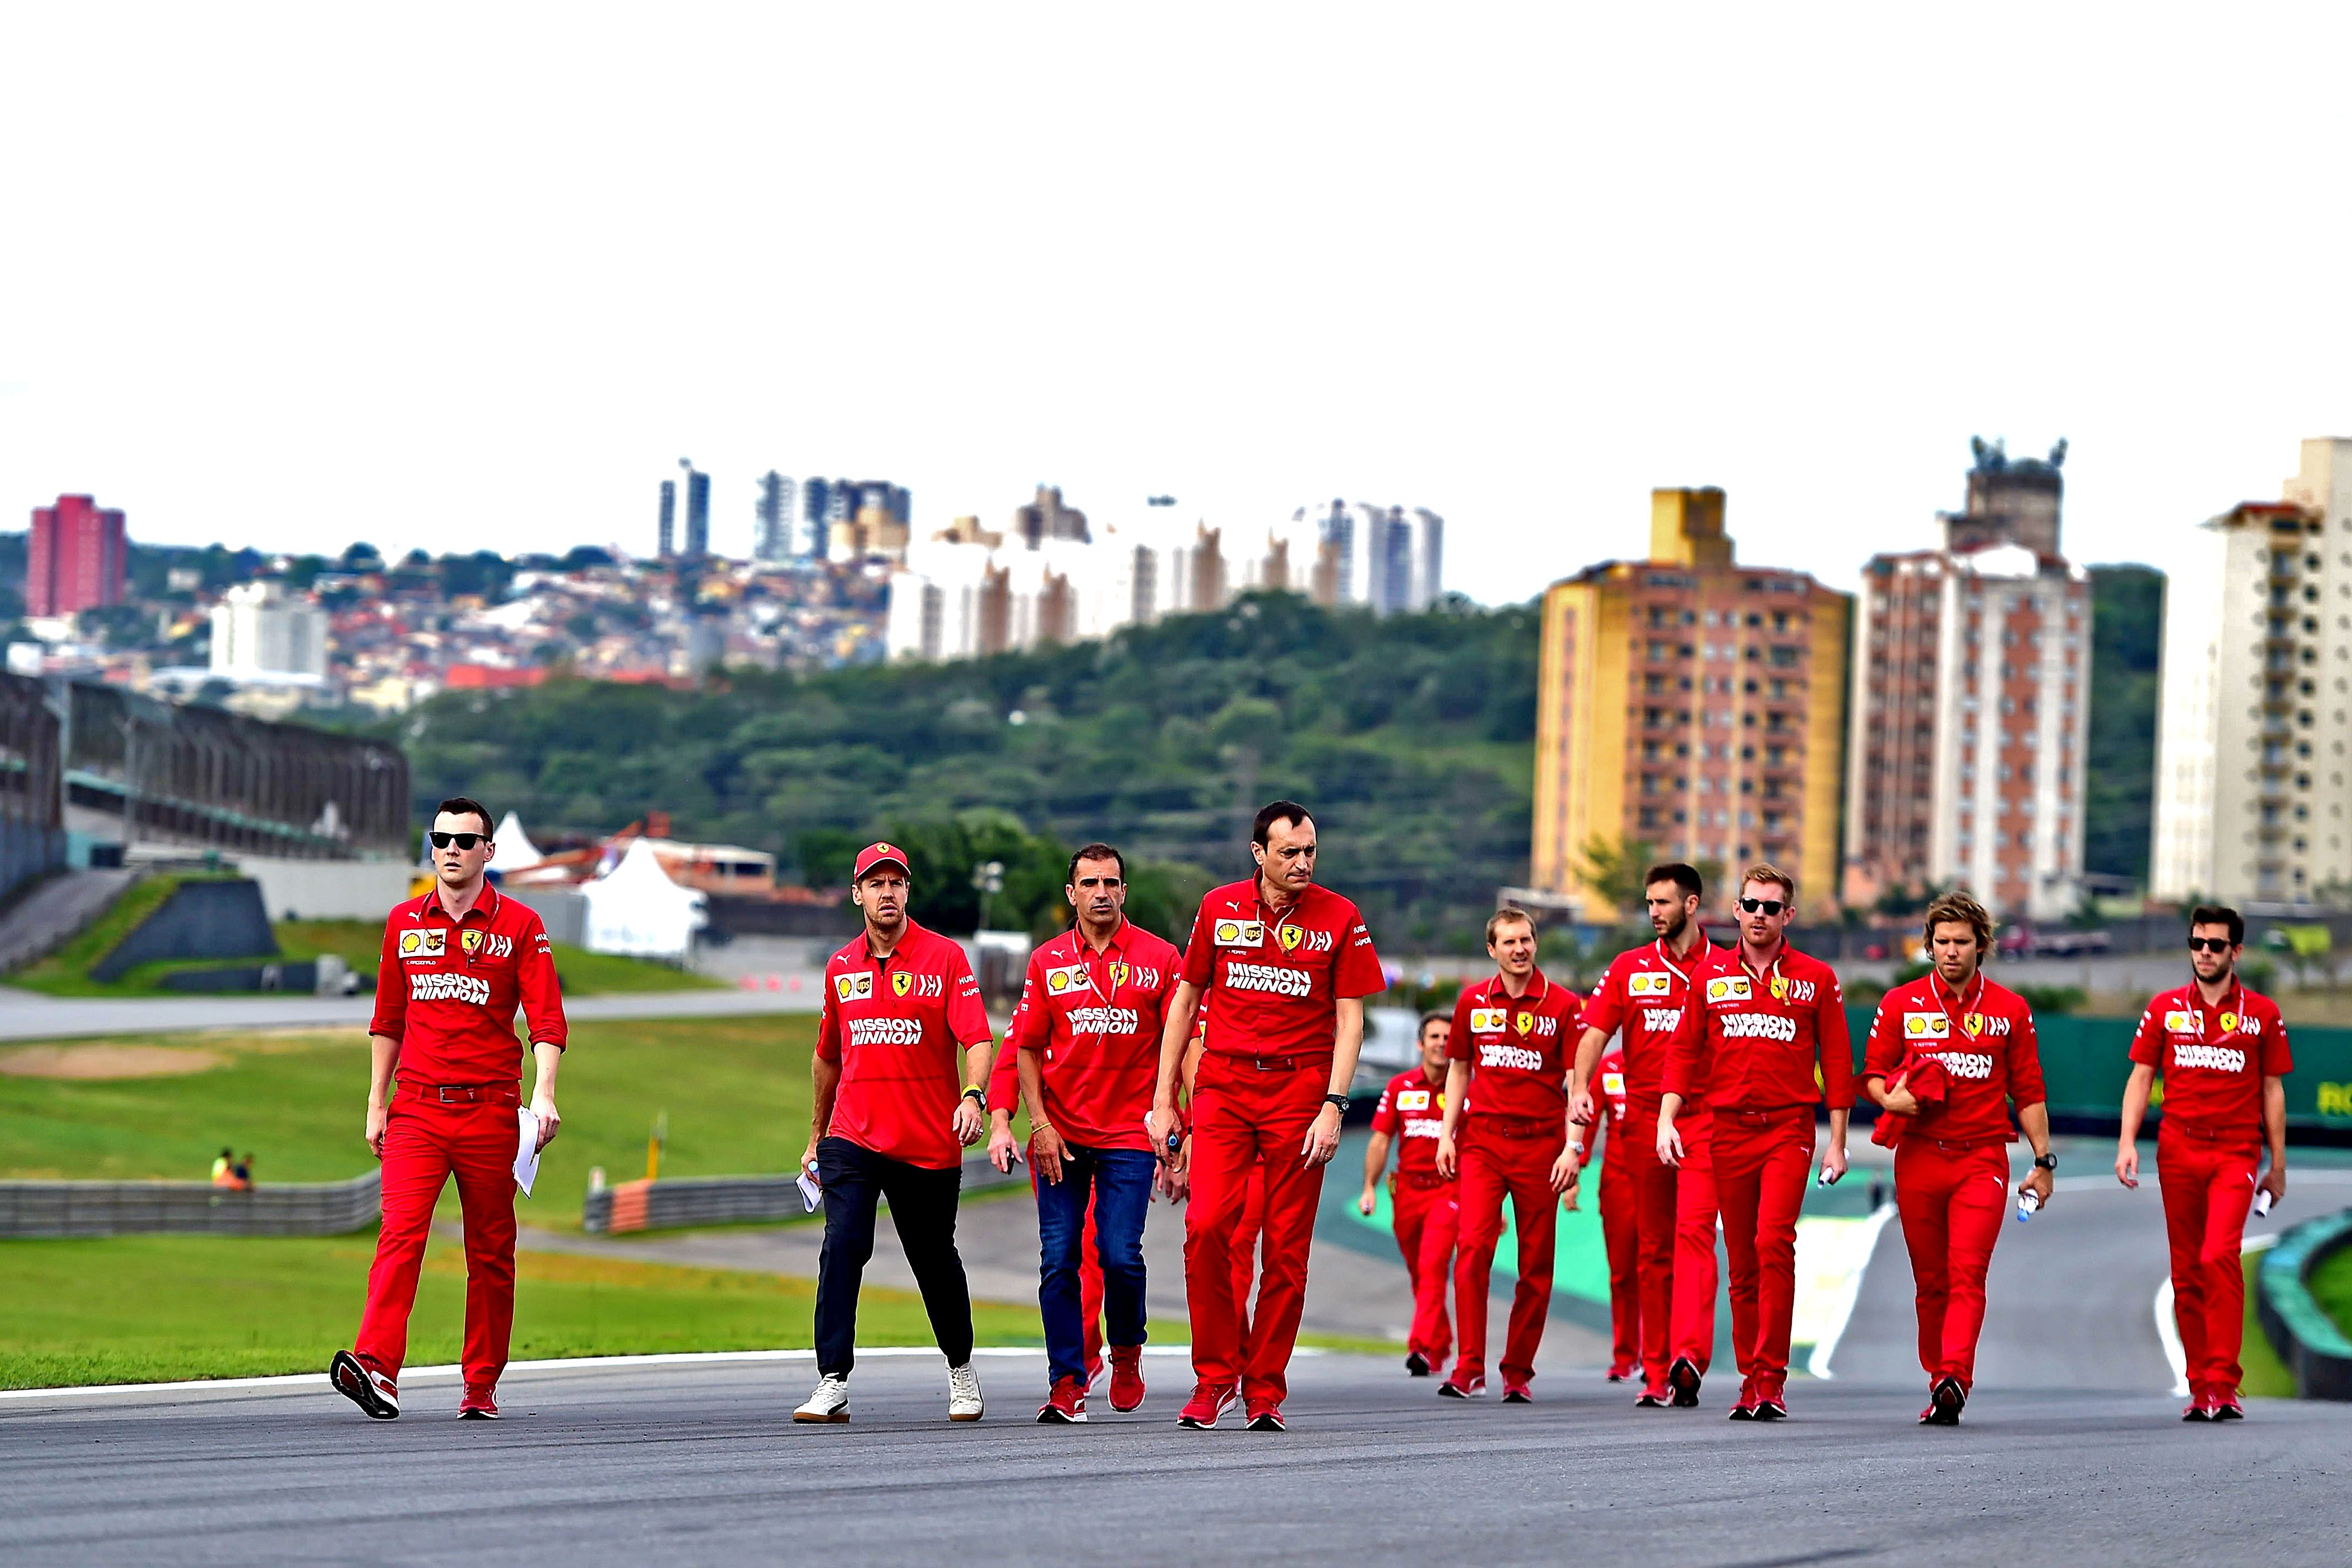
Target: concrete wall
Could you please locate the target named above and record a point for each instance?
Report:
(199, 920)
(328, 889)
(27, 853)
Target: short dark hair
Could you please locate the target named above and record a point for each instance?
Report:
(2219, 914)
(1284, 812)
(1686, 877)
(464, 805)
(1095, 851)
(1436, 1015)
(1956, 908)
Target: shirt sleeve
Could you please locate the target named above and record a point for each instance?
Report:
(1605, 1008)
(1005, 1078)
(391, 1018)
(2277, 1061)
(2147, 1040)
(1032, 1021)
(541, 991)
(1200, 953)
(828, 1022)
(2025, 1084)
(1384, 1114)
(1458, 1033)
(1356, 971)
(967, 1014)
(1882, 1053)
(1836, 1042)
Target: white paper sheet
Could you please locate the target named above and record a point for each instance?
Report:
(811, 1193)
(526, 1163)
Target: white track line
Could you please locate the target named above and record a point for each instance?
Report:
(589, 1363)
(1818, 1364)
(2169, 1331)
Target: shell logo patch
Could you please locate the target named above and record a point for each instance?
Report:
(1525, 1022)
(853, 988)
(1068, 978)
(902, 982)
(2183, 1021)
(1412, 1100)
(1650, 982)
(1612, 1083)
(1489, 1021)
(1729, 988)
(1926, 1026)
(1239, 934)
(2229, 1023)
(430, 944)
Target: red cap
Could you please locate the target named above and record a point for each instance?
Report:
(873, 855)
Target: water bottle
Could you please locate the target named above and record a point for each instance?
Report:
(2028, 1205)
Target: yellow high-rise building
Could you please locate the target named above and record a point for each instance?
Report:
(1694, 706)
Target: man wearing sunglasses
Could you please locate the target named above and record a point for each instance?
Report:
(2221, 1051)
(1763, 1042)
(457, 964)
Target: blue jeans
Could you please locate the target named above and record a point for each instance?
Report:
(1120, 1181)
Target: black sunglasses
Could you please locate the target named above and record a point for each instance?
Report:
(463, 841)
(1762, 905)
(2209, 944)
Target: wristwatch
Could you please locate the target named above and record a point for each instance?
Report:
(978, 1095)
(1338, 1100)
(2045, 1162)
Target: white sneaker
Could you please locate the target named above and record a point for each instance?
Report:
(963, 1393)
(830, 1402)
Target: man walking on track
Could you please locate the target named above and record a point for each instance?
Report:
(1283, 966)
(1507, 1133)
(1947, 1054)
(2223, 1052)
(1642, 998)
(1088, 1029)
(900, 1003)
(1762, 1042)
(457, 964)
(1421, 1204)
(1618, 1236)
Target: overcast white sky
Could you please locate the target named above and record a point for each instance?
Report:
(479, 276)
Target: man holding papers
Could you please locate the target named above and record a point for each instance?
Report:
(458, 962)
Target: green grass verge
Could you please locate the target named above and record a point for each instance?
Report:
(2331, 1287)
(360, 942)
(66, 972)
(2265, 1376)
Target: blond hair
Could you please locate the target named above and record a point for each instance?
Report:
(1765, 870)
(1510, 914)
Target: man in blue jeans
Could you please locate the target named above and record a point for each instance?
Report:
(1087, 1029)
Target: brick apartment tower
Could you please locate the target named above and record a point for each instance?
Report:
(1691, 705)
(1972, 704)
(76, 557)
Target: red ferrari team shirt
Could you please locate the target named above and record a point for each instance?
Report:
(1762, 1038)
(1983, 1035)
(1413, 1111)
(1640, 999)
(1095, 1020)
(896, 1025)
(447, 989)
(1275, 977)
(1516, 1048)
(2213, 1059)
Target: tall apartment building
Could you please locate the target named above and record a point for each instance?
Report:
(2256, 715)
(1390, 558)
(772, 517)
(698, 512)
(1691, 704)
(1971, 704)
(76, 557)
(668, 518)
(260, 630)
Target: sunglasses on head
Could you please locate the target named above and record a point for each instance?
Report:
(463, 841)
(1761, 905)
(2209, 944)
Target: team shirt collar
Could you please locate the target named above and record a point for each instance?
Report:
(2193, 995)
(1537, 989)
(865, 953)
(1698, 955)
(487, 905)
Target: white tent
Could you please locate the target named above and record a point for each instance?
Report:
(512, 847)
(636, 909)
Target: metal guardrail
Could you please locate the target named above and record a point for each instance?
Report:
(2314, 1348)
(671, 1204)
(65, 1208)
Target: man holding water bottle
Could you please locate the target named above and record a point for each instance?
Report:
(1948, 1055)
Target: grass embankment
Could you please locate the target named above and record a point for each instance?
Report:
(2264, 1374)
(2331, 1287)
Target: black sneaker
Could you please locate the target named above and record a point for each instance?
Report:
(1682, 1377)
(1742, 1412)
(1266, 1417)
(1416, 1365)
(1944, 1402)
(1768, 1407)
(371, 1390)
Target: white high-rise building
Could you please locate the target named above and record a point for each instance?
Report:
(2255, 719)
(259, 632)
(1392, 559)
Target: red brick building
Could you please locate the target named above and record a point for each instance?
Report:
(76, 557)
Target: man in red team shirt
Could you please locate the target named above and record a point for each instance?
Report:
(900, 1005)
(2223, 1051)
(1619, 1236)
(1421, 1204)
(1509, 1040)
(1642, 998)
(1951, 1157)
(1283, 966)
(1764, 1022)
(457, 964)
(1089, 1029)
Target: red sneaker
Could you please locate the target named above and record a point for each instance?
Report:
(479, 1405)
(1094, 1373)
(1066, 1406)
(1266, 1416)
(364, 1386)
(1460, 1387)
(1209, 1401)
(1682, 1377)
(1126, 1378)
(1517, 1394)
(2227, 1408)
(1621, 1373)
(1655, 1395)
(2198, 1410)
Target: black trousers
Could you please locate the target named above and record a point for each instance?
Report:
(923, 1208)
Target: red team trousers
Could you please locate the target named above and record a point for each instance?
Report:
(424, 1142)
(1952, 1198)
(1428, 1219)
(1757, 1164)
(1495, 1164)
(1619, 1234)
(1632, 1153)
(2207, 1179)
(1247, 1119)
(1690, 1334)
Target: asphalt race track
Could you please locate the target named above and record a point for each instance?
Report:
(700, 1464)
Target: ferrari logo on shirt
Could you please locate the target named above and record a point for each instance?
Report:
(1780, 989)
(1489, 1021)
(1927, 1026)
(853, 988)
(1240, 933)
(429, 944)
(1974, 1024)
(1117, 972)
(2229, 1023)
(1525, 1022)
(470, 940)
(2183, 1021)
(902, 982)
(1068, 978)
(1291, 936)
(1412, 1100)
(1729, 988)
(1650, 982)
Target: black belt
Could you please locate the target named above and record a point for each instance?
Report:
(1517, 1126)
(2211, 1134)
(461, 1093)
(1276, 1063)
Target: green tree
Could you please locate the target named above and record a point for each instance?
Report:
(1612, 868)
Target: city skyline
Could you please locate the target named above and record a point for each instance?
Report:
(533, 348)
